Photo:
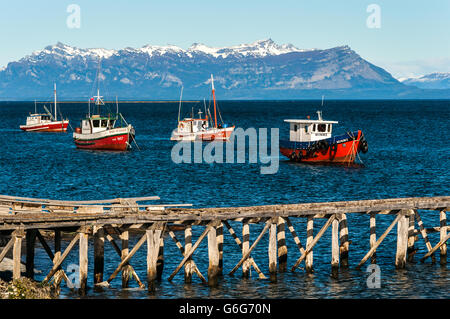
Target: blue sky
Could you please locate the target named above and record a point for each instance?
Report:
(413, 37)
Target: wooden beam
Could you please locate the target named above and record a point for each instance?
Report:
(248, 252)
(294, 235)
(311, 245)
(433, 250)
(190, 252)
(378, 242)
(7, 248)
(424, 234)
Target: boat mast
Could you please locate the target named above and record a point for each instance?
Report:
(54, 91)
(179, 106)
(214, 99)
(35, 109)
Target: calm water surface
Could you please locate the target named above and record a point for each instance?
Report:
(409, 155)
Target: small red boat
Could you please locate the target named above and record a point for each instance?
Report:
(311, 141)
(104, 132)
(46, 122)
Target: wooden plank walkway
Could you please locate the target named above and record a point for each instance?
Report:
(24, 218)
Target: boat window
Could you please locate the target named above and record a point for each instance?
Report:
(322, 127)
(96, 123)
(104, 123)
(329, 128)
(314, 128)
(295, 128)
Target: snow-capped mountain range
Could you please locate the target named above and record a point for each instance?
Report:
(263, 69)
(429, 81)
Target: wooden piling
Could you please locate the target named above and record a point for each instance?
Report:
(30, 245)
(160, 261)
(153, 237)
(423, 232)
(443, 235)
(309, 239)
(189, 266)
(213, 254)
(343, 240)
(411, 237)
(402, 240)
(373, 237)
(246, 266)
(220, 238)
(281, 242)
(273, 250)
(335, 247)
(99, 253)
(83, 267)
(17, 253)
(125, 237)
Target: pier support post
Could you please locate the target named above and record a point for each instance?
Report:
(402, 240)
(245, 248)
(83, 267)
(160, 262)
(282, 248)
(411, 237)
(373, 237)
(343, 239)
(60, 273)
(31, 241)
(335, 247)
(17, 253)
(153, 243)
(273, 250)
(125, 236)
(213, 254)
(443, 235)
(309, 238)
(219, 233)
(189, 265)
(99, 253)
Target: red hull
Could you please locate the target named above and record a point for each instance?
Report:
(46, 127)
(114, 143)
(344, 152)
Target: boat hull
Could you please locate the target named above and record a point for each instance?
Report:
(60, 126)
(118, 139)
(341, 149)
(222, 134)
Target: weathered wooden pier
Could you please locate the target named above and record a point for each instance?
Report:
(25, 219)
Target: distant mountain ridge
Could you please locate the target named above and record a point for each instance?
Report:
(262, 69)
(435, 80)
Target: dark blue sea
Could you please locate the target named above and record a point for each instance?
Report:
(409, 155)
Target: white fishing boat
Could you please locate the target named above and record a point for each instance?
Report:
(202, 128)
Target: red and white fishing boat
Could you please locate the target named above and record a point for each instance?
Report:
(311, 141)
(45, 122)
(200, 129)
(104, 132)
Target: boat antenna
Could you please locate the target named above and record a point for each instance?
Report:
(322, 100)
(54, 91)
(117, 106)
(204, 103)
(179, 106)
(35, 109)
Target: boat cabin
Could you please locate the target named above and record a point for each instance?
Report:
(96, 123)
(310, 130)
(189, 125)
(33, 119)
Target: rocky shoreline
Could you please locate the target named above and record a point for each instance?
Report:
(25, 288)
